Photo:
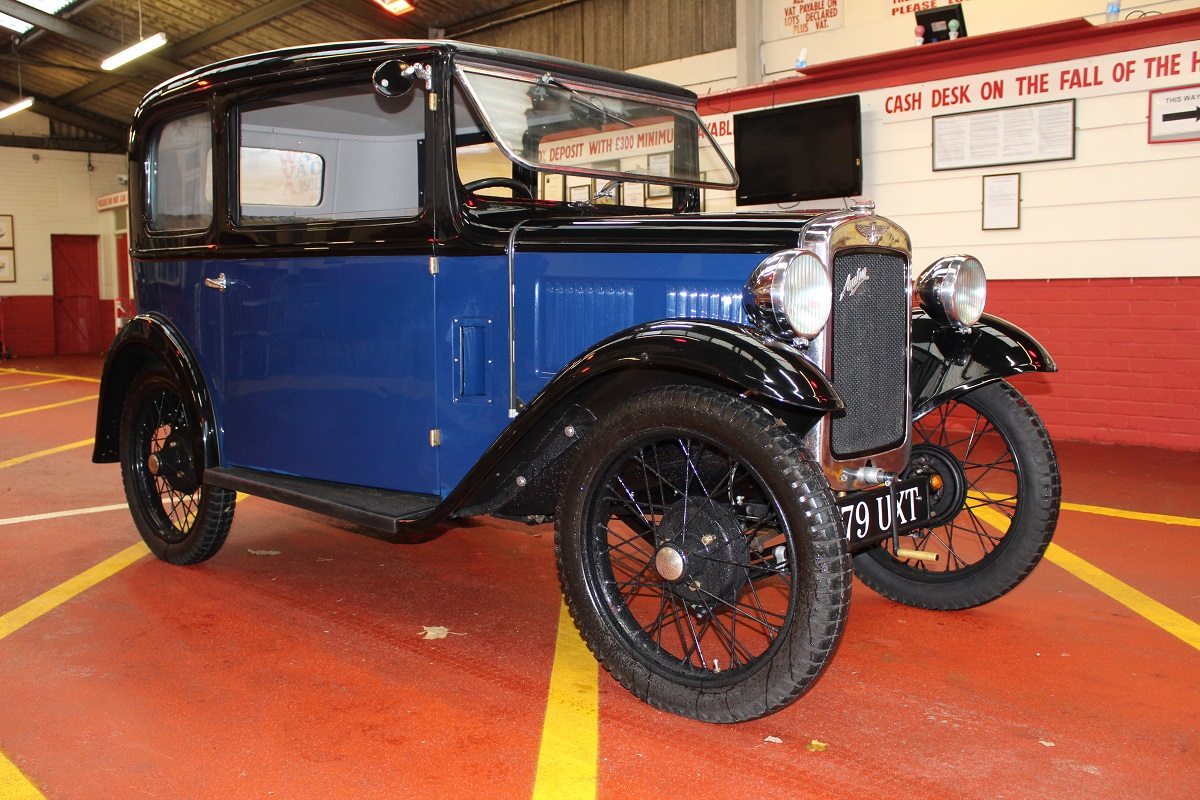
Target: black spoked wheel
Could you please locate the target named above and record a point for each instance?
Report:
(994, 499)
(701, 555)
(180, 519)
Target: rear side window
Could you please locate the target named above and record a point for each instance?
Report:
(179, 174)
(342, 153)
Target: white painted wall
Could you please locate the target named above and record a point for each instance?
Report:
(1121, 208)
(50, 192)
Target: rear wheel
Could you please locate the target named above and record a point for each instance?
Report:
(994, 510)
(701, 555)
(180, 519)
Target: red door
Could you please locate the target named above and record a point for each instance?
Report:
(76, 261)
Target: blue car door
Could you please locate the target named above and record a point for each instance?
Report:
(326, 365)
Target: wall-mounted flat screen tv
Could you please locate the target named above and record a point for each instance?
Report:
(810, 151)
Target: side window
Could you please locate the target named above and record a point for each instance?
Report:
(338, 153)
(179, 174)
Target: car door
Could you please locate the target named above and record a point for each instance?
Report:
(327, 318)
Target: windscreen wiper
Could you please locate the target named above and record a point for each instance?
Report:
(593, 110)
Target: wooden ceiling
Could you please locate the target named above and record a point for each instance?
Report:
(90, 109)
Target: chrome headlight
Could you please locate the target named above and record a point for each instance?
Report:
(789, 294)
(953, 290)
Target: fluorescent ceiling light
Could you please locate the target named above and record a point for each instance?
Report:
(20, 105)
(49, 6)
(138, 50)
(396, 7)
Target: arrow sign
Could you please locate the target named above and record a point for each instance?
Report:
(1174, 114)
(1183, 115)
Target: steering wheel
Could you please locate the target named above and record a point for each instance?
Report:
(507, 183)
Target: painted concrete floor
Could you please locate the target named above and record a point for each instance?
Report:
(303, 672)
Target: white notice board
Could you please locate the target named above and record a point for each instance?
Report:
(1015, 135)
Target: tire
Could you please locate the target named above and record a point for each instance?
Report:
(181, 520)
(996, 511)
(701, 555)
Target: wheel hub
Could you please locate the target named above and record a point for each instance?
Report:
(947, 500)
(702, 552)
(174, 463)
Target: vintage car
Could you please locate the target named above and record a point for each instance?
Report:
(401, 283)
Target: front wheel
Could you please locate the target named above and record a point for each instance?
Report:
(181, 520)
(701, 556)
(994, 510)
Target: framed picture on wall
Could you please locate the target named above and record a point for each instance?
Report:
(8, 266)
(6, 230)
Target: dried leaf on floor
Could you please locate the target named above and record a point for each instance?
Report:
(817, 746)
(773, 740)
(437, 632)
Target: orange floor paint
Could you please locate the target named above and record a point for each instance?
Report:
(304, 675)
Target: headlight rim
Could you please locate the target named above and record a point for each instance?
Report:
(765, 304)
(937, 289)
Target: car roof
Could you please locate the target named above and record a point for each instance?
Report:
(308, 57)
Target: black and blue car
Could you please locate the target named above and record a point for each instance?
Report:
(401, 283)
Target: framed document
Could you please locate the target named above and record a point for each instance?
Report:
(1002, 202)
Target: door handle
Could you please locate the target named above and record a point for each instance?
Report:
(219, 283)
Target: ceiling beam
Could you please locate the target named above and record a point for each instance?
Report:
(228, 28)
(59, 143)
(69, 30)
(511, 14)
(114, 132)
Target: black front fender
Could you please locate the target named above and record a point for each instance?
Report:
(947, 363)
(705, 352)
(723, 353)
(148, 339)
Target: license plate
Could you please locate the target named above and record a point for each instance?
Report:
(867, 516)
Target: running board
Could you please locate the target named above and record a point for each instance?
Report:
(383, 510)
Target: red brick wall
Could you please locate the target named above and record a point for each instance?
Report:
(1128, 353)
(27, 325)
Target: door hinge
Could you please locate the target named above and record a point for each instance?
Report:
(433, 265)
(433, 101)
(435, 437)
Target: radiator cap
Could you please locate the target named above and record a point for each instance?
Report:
(863, 204)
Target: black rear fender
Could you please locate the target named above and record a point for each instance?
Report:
(947, 363)
(149, 339)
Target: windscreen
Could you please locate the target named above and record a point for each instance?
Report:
(549, 124)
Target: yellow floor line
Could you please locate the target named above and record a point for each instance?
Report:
(567, 757)
(1166, 519)
(1145, 606)
(15, 371)
(48, 601)
(31, 385)
(1170, 621)
(14, 785)
(49, 406)
(1104, 511)
(62, 448)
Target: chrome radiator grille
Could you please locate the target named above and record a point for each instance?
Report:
(869, 362)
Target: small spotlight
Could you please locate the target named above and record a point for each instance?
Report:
(396, 7)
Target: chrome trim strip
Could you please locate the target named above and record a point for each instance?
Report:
(515, 405)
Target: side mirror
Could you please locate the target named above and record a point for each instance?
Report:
(397, 78)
